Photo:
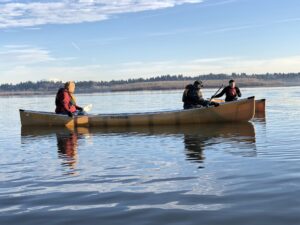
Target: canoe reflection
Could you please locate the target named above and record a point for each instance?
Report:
(260, 117)
(237, 139)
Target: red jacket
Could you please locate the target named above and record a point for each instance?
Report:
(64, 103)
(231, 93)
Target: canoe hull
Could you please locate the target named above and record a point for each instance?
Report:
(260, 104)
(237, 111)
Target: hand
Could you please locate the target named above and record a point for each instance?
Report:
(70, 114)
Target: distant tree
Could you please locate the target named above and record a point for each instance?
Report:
(91, 86)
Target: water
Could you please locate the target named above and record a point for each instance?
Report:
(217, 174)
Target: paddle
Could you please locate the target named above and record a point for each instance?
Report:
(87, 108)
(216, 93)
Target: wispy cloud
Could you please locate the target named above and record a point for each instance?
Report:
(148, 69)
(225, 29)
(204, 66)
(32, 28)
(23, 55)
(21, 73)
(219, 3)
(288, 20)
(34, 13)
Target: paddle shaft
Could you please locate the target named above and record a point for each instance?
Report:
(216, 92)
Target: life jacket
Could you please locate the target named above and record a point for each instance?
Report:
(232, 92)
(64, 102)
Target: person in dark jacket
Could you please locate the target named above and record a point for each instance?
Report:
(65, 101)
(232, 92)
(193, 98)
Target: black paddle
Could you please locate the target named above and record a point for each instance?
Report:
(216, 93)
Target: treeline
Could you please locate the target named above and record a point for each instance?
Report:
(144, 83)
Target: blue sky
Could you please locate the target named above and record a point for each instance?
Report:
(105, 40)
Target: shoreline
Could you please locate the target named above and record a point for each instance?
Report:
(40, 93)
(162, 83)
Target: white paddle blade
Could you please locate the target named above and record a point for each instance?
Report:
(87, 108)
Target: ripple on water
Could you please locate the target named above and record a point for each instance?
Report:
(224, 174)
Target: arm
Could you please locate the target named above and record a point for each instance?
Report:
(79, 108)
(238, 92)
(184, 95)
(72, 103)
(220, 94)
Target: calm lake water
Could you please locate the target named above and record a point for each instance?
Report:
(210, 174)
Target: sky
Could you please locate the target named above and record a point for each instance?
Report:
(111, 40)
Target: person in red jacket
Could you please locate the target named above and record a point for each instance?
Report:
(65, 101)
(232, 92)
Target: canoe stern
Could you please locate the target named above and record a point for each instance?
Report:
(31, 118)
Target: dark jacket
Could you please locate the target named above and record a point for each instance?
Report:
(231, 93)
(192, 97)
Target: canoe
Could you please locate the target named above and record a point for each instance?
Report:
(260, 104)
(236, 111)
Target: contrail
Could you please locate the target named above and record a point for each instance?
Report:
(75, 46)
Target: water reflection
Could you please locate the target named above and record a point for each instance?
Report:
(66, 142)
(235, 139)
(260, 116)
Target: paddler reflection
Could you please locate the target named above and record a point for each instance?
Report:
(67, 142)
(67, 145)
(235, 139)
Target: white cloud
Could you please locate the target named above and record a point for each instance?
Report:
(34, 13)
(200, 66)
(148, 69)
(219, 3)
(54, 79)
(23, 55)
(21, 73)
